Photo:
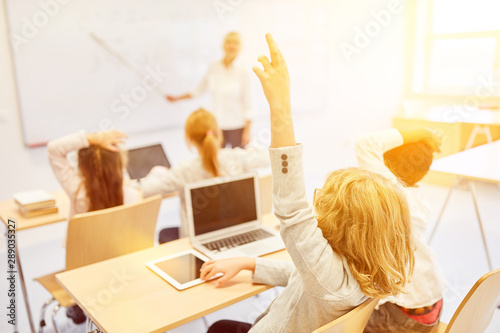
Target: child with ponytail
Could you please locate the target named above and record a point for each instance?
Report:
(202, 132)
(97, 183)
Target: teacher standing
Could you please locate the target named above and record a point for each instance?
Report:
(229, 86)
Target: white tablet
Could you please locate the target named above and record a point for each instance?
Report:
(181, 270)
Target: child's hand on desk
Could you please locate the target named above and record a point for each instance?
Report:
(228, 267)
(275, 82)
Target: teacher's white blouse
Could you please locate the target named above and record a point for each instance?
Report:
(230, 91)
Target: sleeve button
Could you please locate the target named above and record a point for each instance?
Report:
(284, 163)
(284, 157)
(284, 170)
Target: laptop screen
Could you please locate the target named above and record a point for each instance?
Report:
(223, 205)
(142, 160)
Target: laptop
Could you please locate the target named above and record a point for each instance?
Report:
(224, 218)
(142, 160)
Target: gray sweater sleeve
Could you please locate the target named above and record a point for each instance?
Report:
(272, 272)
(321, 269)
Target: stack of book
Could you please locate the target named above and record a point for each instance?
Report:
(35, 203)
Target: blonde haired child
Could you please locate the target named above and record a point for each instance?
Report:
(406, 156)
(357, 246)
(202, 131)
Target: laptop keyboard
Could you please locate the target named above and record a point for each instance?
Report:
(237, 240)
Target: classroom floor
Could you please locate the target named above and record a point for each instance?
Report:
(457, 244)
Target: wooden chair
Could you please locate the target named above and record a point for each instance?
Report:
(266, 194)
(477, 308)
(96, 236)
(353, 321)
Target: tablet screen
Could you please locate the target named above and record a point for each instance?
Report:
(184, 268)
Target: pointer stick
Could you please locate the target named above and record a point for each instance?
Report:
(139, 74)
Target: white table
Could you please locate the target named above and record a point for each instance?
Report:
(477, 164)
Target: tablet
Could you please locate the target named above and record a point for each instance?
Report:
(181, 270)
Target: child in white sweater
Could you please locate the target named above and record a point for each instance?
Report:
(406, 156)
(98, 180)
(96, 183)
(203, 132)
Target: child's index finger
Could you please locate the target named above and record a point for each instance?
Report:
(273, 49)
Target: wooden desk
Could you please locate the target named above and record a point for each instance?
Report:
(10, 210)
(479, 120)
(144, 302)
(461, 127)
(481, 163)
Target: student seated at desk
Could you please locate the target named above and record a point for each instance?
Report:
(202, 132)
(357, 244)
(406, 156)
(97, 183)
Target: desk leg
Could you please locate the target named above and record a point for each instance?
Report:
(455, 182)
(479, 129)
(205, 321)
(90, 326)
(23, 287)
(473, 192)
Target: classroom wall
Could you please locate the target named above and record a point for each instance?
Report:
(365, 90)
(20, 168)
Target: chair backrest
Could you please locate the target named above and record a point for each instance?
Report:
(266, 193)
(112, 232)
(477, 308)
(353, 321)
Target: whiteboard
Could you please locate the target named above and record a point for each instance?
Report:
(66, 81)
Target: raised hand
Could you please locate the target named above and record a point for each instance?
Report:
(275, 82)
(274, 78)
(109, 139)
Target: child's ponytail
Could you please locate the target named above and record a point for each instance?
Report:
(102, 173)
(209, 150)
(202, 130)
